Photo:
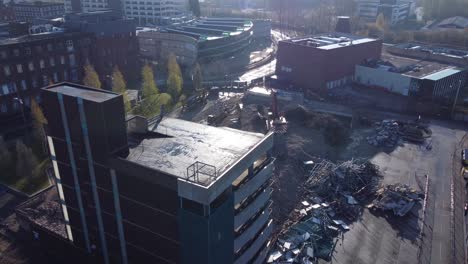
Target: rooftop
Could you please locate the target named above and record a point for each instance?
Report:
(188, 143)
(411, 67)
(330, 41)
(445, 51)
(44, 210)
(84, 92)
(37, 37)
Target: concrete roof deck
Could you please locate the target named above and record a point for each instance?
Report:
(414, 67)
(329, 41)
(87, 93)
(190, 142)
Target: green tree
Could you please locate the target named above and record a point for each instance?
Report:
(380, 22)
(39, 135)
(149, 87)
(194, 6)
(120, 86)
(26, 161)
(91, 78)
(5, 156)
(174, 80)
(197, 78)
(151, 106)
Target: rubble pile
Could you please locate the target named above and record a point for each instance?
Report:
(399, 198)
(331, 194)
(356, 178)
(389, 132)
(386, 134)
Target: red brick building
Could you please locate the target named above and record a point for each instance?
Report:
(324, 61)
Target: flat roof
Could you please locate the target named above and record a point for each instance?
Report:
(190, 142)
(87, 93)
(330, 41)
(38, 37)
(442, 74)
(412, 67)
(45, 210)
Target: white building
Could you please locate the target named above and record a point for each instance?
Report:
(145, 12)
(394, 11)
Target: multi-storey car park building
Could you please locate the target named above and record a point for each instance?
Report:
(27, 11)
(394, 11)
(172, 192)
(203, 39)
(320, 62)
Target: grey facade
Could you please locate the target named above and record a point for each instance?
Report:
(27, 11)
(176, 192)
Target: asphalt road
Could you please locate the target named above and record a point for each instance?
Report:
(418, 237)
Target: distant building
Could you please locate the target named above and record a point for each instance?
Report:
(155, 12)
(203, 39)
(457, 22)
(321, 62)
(157, 46)
(171, 192)
(7, 14)
(448, 55)
(262, 29)
(31, 62)
(343, 24)
(27, 11)
(424, 80)
(116, 41)
(394, 11)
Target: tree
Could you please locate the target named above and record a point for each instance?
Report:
(91, 78)
(120, 86)
(151, 106)
(194, 6)
(197, 78)
(174, 80)
(149, 87)
(380, 22)
(26, 161)
(39, 121)
(5, 156)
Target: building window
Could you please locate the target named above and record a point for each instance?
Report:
(55, 77)
(27, 51)
(52, 61)
(16, 52)
(74, 75)
(34, 82)
(3, 108)
(49, 47)
(23, 85)
(42, 64)
(3, 54)
(45, 80)
(71, 57)
(31, 66)
(62, 60)
(6, 70)
(69, 45)
(19, 68)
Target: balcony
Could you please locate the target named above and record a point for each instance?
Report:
(251, 231)
(252, 208)
(256, 246)
(250, 186)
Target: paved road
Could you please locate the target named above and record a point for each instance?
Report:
(376, 239)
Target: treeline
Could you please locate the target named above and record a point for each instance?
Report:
(153, 101)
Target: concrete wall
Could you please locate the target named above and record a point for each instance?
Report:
(391, 81)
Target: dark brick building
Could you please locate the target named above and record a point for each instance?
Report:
(31, 62)
(116, 41)
(324, 61)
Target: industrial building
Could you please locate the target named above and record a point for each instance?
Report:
(320, 62)
(203, 39)
(394, 11)
(448, 55)
(171, 191)
(424, 80)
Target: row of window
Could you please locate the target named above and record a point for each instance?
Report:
(8, 70)
(15, 106)
(38, 49)
(38, 81)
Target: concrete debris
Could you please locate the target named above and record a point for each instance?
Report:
(389, 133)
(398, 198)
